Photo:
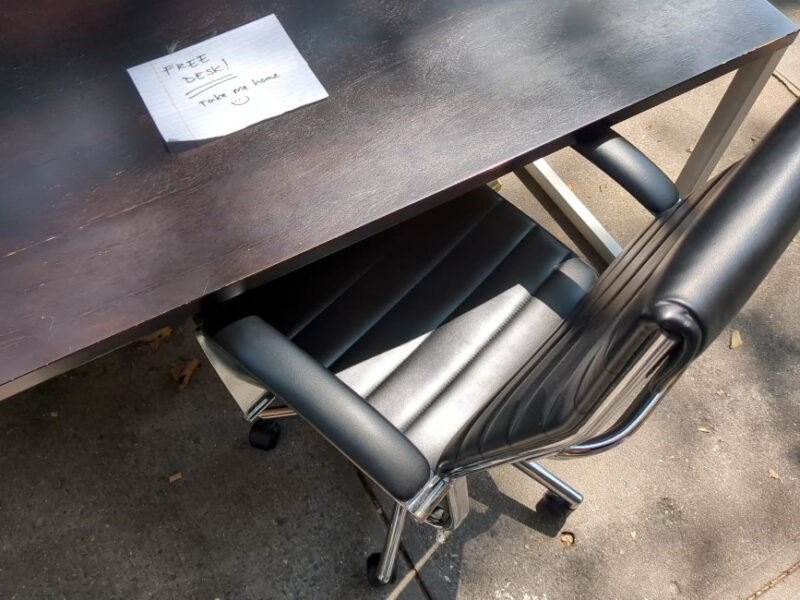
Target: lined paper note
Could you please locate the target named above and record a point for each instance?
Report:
(226, 83)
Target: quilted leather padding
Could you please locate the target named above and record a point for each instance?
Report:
(429, 320)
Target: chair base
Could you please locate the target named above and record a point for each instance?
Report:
(561, 494)
(264, 435)
(373, 563)
(381, 569)
(555, 504)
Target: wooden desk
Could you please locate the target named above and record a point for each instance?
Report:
(104, 236)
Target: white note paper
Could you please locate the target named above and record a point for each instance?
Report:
(226, 83)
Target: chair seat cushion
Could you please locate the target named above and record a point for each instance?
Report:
(428, 320)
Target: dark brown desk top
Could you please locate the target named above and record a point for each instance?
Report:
(103, 235)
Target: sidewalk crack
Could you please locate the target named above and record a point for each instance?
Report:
(787, 83)
(772, 583)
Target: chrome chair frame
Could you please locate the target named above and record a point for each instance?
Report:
(444, 502)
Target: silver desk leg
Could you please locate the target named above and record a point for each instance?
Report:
(574, 210)
(731, 111)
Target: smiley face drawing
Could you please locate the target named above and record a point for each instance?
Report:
(241, 101)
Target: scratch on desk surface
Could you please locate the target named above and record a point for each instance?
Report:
(105, 216)
(10, 342)
(18, 250)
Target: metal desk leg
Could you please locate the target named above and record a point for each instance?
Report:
(731, 111)
(574, 210)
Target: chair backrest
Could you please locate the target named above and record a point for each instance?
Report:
(676, 286)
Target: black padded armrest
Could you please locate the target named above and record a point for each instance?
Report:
(626, 165)
(359, 431)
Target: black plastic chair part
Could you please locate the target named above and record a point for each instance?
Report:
(624, 163)
(468, 337)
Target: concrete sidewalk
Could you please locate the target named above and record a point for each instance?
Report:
(701, 503)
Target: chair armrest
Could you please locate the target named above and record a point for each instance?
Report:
(626, 165)
(345, 419)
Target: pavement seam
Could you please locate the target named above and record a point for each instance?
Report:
(787, 83)
(402, 549)
(775, 581)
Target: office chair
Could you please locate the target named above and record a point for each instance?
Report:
(468, 337)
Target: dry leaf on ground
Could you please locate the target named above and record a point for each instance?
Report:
(736, 339)
(567, 538)
(774, 474)
(704, 430)
(175, 477)
(183, 373)
(156, 339)
(721, 392)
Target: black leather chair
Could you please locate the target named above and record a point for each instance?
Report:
(468, 337)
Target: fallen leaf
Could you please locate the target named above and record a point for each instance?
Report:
(495, 185)
(175, 477)
(633, 535)
(690, 149)
(774, 474)
(571, 187)
(704, 430)
(156, 339)
(183, 373)
(721, 392)
(567, 538)
(736, 339)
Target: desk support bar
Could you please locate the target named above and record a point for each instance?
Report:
(731, 111)
(574, 210)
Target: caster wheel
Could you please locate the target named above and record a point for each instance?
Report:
(556, 504)
(372, 571)
(264, 435)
